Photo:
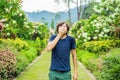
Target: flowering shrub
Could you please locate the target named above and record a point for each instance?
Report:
(13, 16)
(100, 26)
(16, 24)
(7, 65)
(24, 52)
(40, 30)
(100, 34)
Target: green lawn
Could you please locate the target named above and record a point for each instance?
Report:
(39, 70)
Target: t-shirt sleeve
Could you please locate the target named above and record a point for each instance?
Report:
(73, 43)
(51, 38)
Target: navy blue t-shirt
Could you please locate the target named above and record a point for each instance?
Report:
(61, 53)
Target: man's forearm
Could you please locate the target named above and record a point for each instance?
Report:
(52, 44)
(75, 63)
(75, 74)
(74, 60)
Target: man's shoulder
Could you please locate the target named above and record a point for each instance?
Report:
(71, 38)
(53, 35)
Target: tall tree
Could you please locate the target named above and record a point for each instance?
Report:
(67, 2)
(78, 10)
(79, 7)
(89, 9)
(52, 24)
(84, 8)
(57, 17)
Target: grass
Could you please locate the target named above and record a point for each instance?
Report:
(40, 69)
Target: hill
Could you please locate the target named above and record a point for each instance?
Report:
(47, 17)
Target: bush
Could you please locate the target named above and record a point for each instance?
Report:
(7, 64)
(24, 57)
(88, 59)
(22, 63)
(24, 51)
(100, 46)
(17, 43)
(111, 67)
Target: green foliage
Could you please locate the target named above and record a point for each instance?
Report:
(100, 46)
(99, 27)
(14, 17)
(111, 67)
(40, 30)
(88, 59)
(16, 24)
(105, 66)
(100, 34)
(95, 28)
(24, 57)
(22, 63)
(52, 24)
(17, 28)
(85, 55)
(89, 9)
(77, 26)
(38, 45)
(17, 43)
(24, 53)
(7, 65)
(107, 7)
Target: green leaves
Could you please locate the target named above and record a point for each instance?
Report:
(111, 67)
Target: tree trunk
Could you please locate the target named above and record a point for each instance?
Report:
(80, 9)
(83, 15)
(69, 14)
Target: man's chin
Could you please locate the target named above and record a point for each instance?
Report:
(65, 34)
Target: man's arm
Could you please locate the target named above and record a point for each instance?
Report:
(53, 43)
(74, 57)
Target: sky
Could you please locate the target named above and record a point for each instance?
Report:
(40, 5)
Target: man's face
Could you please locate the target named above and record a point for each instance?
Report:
(63, 28)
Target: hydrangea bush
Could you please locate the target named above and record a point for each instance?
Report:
(100, 26)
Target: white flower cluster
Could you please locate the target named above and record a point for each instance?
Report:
(100, 27)
(8, 34)
(20, 14)
(36, 27)
(97, 9)
(84, 34)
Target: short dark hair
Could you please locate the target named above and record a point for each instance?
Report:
(60, 24)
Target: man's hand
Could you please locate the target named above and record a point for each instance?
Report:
(75, 76)
(61, 32)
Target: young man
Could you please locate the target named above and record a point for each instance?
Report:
(61, 46)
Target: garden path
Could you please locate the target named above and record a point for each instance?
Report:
(39, 68)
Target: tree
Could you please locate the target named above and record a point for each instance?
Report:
(84, 8)
(57, 16)
(52, 24)
(89, 9)
(67, 2)
(79, 5)
(14, 16)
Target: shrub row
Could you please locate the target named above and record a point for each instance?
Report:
(100, 46)
(24, 53)
(111, 67)
(104, 66)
